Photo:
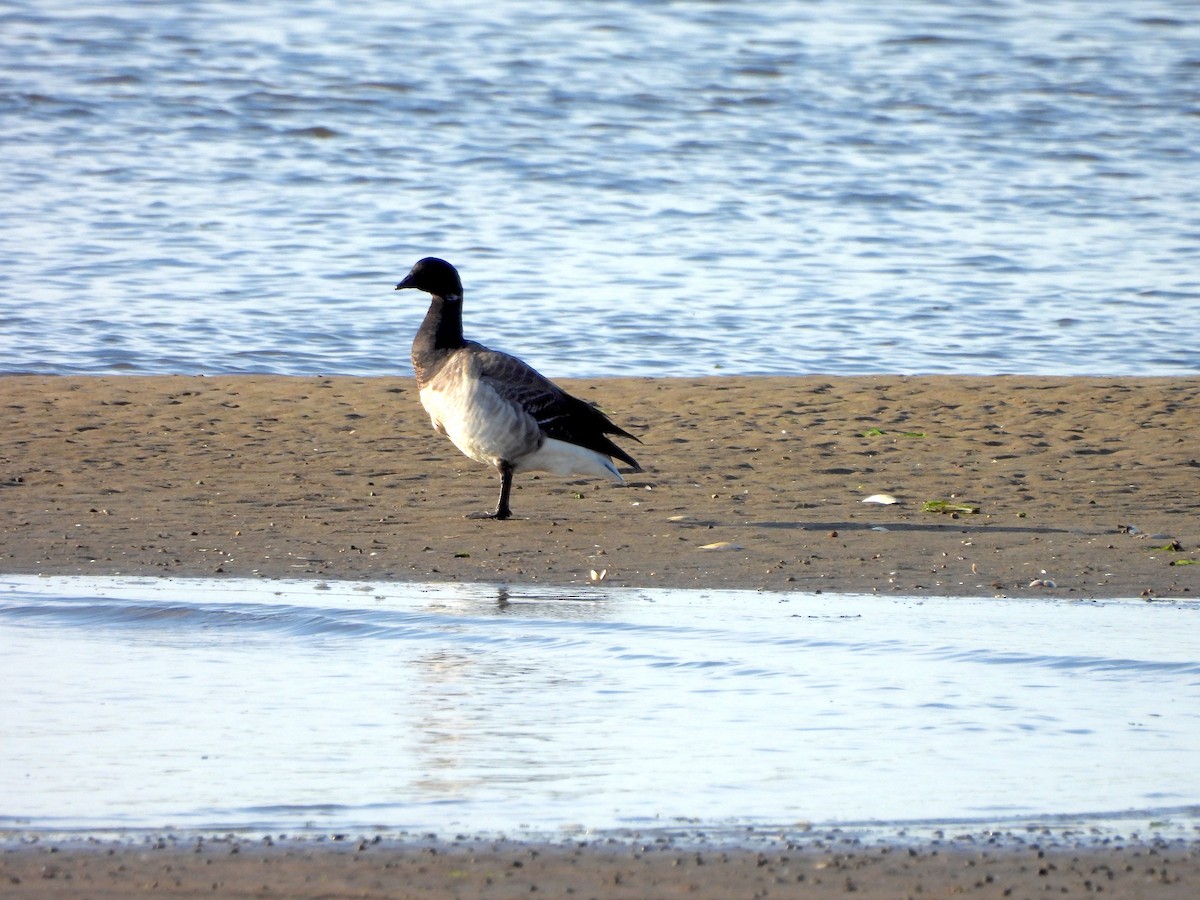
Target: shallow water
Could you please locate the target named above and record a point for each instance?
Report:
(289, 706)
(669, 188)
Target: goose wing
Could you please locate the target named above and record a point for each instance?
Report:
(558, 414)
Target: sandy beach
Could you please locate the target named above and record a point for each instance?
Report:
(1053, 487)
(1083, 487)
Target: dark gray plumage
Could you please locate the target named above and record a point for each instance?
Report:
(494, 407)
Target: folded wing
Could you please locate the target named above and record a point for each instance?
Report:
(559, 415)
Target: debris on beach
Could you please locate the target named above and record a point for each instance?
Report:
(883, 499)
(880, 432)
(949, 506)
(1171, 546)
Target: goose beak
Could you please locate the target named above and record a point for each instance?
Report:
(408, 282)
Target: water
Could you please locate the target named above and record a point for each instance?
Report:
(666, 188)
(290, 706)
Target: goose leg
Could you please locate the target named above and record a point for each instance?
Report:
(503, 510)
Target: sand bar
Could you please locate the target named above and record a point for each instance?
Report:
(1091, 485)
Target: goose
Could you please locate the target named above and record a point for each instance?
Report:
(494, 407)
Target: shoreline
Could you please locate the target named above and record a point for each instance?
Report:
(1085, 487)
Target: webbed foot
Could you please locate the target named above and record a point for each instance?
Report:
(500, 514)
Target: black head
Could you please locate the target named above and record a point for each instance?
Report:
(434, 276)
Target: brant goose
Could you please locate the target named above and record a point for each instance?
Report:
(495, 408)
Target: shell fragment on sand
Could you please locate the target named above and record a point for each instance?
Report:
(883, 499)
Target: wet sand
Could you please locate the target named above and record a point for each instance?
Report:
(1084, 488)
(1026, 868)
(1089, 485)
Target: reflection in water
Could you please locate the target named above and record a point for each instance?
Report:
(445, 725)
(455, 698)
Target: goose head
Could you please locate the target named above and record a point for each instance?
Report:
(433, 276)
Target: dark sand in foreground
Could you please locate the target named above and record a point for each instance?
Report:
(510, 869)
(1085, 488)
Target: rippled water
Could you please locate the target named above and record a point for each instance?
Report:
(293, 705)
(629, 188)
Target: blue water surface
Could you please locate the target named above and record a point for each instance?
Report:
(306, 706)
(629, 188)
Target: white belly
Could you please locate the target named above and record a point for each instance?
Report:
(479, 422)
(489, 429)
